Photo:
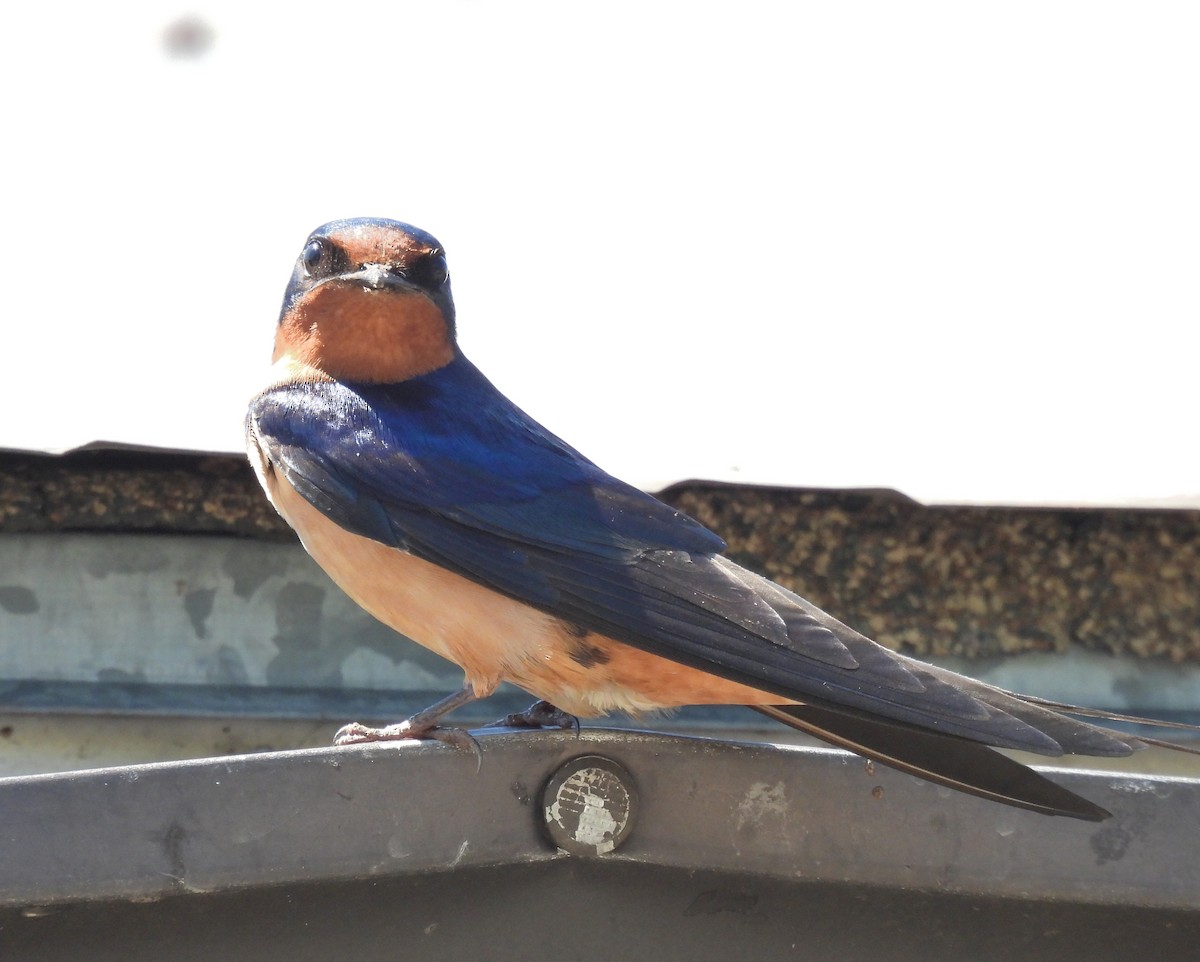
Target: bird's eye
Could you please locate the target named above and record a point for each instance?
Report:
(319, 257)
(430, 271)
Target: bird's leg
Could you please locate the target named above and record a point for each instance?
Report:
(541, 714)
(424, 724)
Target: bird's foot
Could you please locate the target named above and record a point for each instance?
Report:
(424, 724)
(541, 714)
(356, 734)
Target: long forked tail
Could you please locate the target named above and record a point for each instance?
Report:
(971, 765)
(945, 759)
(1138, 740)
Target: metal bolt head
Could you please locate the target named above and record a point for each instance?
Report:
(589, 805)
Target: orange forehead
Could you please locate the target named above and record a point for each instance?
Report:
(350, 333)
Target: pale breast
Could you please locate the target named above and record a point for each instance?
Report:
(492, 637)
(485, 633)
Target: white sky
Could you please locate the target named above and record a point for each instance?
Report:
(946, 248)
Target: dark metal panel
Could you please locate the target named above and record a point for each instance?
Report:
(594, 910)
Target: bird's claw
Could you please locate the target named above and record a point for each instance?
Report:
(541, 714)
(357, 734)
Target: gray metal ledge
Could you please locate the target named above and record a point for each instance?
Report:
(409, 809)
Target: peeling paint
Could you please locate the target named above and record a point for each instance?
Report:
(763, 810)
(588, 808)
(226, 667)
(172, 842)
(586, 819)
(18, 600)
(303, 657)
(250, 569)
(761, 801)
(199, 607)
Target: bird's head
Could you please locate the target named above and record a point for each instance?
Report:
(369, 300)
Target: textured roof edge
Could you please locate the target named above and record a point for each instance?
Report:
(1186, 501)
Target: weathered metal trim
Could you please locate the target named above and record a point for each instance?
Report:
(786, 813)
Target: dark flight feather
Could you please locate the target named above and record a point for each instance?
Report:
(955, 762)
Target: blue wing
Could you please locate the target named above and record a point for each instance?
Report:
(446, 467)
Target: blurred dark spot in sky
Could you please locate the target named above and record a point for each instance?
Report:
(188, 37)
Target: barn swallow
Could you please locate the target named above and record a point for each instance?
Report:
(454, 517)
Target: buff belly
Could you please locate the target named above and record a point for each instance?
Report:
(492, 637)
